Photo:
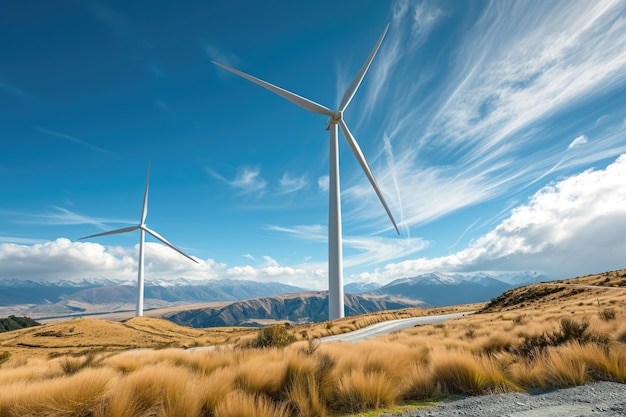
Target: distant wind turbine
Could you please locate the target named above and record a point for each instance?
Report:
(142, 230)
(335, 268)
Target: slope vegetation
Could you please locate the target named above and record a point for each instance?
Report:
(528, 339)
(88, 336)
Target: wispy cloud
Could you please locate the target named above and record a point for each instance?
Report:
(248, 180)
(579, 141)
(322, 182)
(21, 240)
(218, 53)
(126, 30)
(316, 232)
(289, 184)
(462, 235)
(486, 127)
(62, 216)
(370, 249)
(426, 15)
(12, 89)
(72, 139)
(572, 227)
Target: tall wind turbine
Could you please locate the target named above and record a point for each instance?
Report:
(335, 268)
(142, 237)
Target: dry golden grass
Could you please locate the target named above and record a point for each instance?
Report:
(534, 337)
(80, 336)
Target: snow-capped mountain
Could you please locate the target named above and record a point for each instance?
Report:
(437, 289)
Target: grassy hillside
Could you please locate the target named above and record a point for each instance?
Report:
(541, 336)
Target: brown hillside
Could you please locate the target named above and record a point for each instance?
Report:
(587, 293)
(80, 336)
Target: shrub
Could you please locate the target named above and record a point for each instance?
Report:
(570, 331)
(71, 365)
(274, 336)
(16, 323)
(607, 314)
(4, 356)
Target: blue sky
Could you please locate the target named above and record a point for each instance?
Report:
(496, 131)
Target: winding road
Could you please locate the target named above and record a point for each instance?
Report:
(379, 329)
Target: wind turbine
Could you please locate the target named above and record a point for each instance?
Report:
(335, 268)
(142, 236)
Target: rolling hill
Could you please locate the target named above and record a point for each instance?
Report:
(297, 308)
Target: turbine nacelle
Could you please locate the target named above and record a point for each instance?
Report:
(334, 119)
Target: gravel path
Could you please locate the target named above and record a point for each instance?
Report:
(597, 399)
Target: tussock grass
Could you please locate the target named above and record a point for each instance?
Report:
(76, 395)
(556, 340)
(242, 404)
(360, 390)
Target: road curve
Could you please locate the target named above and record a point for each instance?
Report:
(379, 329)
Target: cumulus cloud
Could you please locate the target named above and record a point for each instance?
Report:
(63, 259)
(573, 227)
(579, 141)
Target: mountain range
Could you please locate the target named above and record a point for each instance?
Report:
(40, 299)
(297, 308)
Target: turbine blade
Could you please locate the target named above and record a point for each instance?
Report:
(113, 232)
(167, 242)
(356, 149)
(144, 210)
(347, 97)
(294, 98)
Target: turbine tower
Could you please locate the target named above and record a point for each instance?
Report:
(143, 229)
(335, 267)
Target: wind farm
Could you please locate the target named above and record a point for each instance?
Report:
(335, 252)
(143, 229)
(493, 137)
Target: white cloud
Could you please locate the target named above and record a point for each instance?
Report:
(322, 182)
(573, 227)
(72, 139)
(425, 18)
(248, 180)
(20, 240)
(492, 123)
(289, 184)
(220, 54)
(63, 216)
(579, 141)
